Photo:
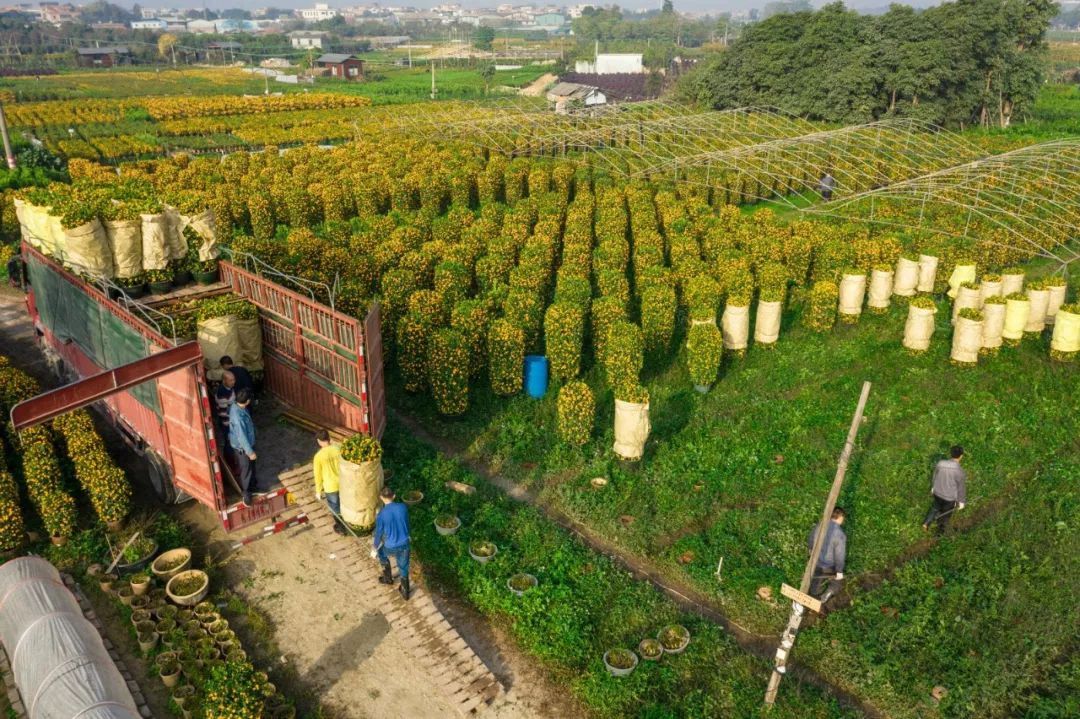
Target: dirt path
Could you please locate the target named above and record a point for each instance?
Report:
(536, 87)
(339, 649)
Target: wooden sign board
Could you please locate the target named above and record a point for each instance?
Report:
(801, 598)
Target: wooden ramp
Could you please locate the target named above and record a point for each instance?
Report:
(418, 624)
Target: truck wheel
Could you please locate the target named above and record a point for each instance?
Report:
(160, 476)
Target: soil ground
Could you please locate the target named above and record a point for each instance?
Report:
(340, 651)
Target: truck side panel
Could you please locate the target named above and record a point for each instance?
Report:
(191, 444)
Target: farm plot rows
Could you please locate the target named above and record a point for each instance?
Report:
(478, 261)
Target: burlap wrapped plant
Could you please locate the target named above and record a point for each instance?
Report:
(1017, 309)
(967, 337)
(993, 323)
(1065, 342)
(576, 410)
(919, 327)
(506, 357)
(448, 371)
(564, 329)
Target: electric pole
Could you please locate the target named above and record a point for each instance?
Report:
(7, 140)
(433, 90)
(801, 601)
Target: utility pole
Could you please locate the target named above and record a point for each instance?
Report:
(800, 599)
(433, 90)
(410, 53)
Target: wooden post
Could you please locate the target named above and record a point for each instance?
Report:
(787, 640)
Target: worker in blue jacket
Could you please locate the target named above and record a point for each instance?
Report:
(242, 441)
(392, 539)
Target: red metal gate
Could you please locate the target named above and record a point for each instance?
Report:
(314, 356)
(373, 355)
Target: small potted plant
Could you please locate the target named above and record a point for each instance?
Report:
(206, 272)
(447, 524)
(184, 616)
(183, 694)
(160, 281)
(125, 594)
(181, 272)
(164, 626)
(650, 649)
(218, 627)
(106, 582)
(141, 615)
(167, 611)
(482, 550)
(140, 583)
(170, 563)
(146, 626)
(204, 609)
(674, 638)
(169, 673)
(412, 497)
(140, 602)
(521, 583)
(147, 642)
(620, 662)
(188, 587)
(134, 286)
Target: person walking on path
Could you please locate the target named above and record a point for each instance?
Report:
(392, 539)
(829, 570)
(242, 441)
(826, 186)
(949, 490)
(327, 476)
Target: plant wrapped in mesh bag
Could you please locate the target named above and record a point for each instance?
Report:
(506, 357)
(821, 311)
(448, 371)
(564, 329)
(576, 411)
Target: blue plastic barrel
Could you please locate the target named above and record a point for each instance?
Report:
(536, 375)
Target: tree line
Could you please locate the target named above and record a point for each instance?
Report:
(956, 64)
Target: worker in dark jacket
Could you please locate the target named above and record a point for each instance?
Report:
(826, 186)
(829, 569)
(392, 539)
(949, 490)
(242, 439)
(244, 379)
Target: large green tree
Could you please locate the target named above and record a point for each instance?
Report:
(960, 63)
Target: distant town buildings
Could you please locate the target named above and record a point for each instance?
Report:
(306, 39)
(321, 11)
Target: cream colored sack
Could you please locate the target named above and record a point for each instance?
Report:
(1057, 299)
(125, 240)
(23, 215)
(204, 226)
(967, 340)
(907, 277)
(852, 292)
(631, 429)
(251, 344)
(1011, 284)
(881, 282)
(218, 337)
(927, 272)
(175, 244)
(919, 328)
(359, 492)
(968, 298)
(87, 249)
(1066, 337)
(1040, 300)
(993, 325)
(767, 323)
(960, 275)
(735, 324)
(990, 289)
(155, 253)
(1016, 317)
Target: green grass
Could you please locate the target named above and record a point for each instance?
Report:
(741, 473)
(583, 604)
(403, 84)
(984, 615)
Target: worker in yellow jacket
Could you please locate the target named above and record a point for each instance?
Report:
(327, 475)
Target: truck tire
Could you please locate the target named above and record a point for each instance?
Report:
(160, 475)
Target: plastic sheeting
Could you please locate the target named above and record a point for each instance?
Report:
(61, 666)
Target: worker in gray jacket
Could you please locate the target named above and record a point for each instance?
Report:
(949, 490)
(829, 570)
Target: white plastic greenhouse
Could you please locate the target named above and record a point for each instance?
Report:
(61, 666)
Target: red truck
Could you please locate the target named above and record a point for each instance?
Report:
(123, 355)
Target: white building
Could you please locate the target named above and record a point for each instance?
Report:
(304, 39)
(154, 24)
(611, 63)
(321, 11)
(202, 27)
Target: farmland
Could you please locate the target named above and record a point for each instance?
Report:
(629, 286)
